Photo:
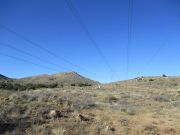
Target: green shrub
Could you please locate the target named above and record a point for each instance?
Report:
(21, 87)
(53, 85)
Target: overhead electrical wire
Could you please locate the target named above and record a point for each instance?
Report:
(26, 61)
(161, 46)
(43, 48)
(31, 55)
(76, 14)
(130, 15)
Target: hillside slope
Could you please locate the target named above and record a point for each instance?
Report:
(150, 81)
(67, 78)
(4, 78)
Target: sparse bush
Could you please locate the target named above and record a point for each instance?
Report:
(174, 84)
(161, 98)
(89, 106)
(111, 99)
(151, 80)
(6, 85)
(73, 84)
(61, 85)
(29, 86)
(124, 122)
(170, 130)
(84, 84)
(151, 129)
(53, 85)
(131, 112)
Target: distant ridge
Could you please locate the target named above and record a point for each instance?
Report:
(4, 78)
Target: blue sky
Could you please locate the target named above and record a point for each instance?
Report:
(50, 23)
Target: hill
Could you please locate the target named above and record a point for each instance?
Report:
(66, 78)
(4, 78)
(140, 106)
(150, 81)
(46, 81)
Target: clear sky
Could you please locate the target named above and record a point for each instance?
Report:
(154, 49)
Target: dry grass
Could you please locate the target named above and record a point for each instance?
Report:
(111, 110)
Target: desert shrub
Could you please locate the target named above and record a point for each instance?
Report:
(83, 84)
(6, 85)
(11, 86)
(61, 85)
(131, 112)
(32, 97)
(21, 87)
(170, 130)
(51, 79)
(89, 106)
(151, 80)
(174, 84)
(53, 85)
(151, 129)
(30, 86)
(83, 102)
(125, 95)
(161, 98)
(40, 86)
(7, 128)
(73, 84)
(111, 99)
(124, 121)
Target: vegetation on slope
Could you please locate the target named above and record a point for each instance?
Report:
(45, 81)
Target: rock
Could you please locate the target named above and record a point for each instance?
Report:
(53, 114)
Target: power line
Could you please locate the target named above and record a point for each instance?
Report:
(130, 15)
(162, 45)
(82, 24)
(42, 48)
(26, 61)
(31, 55)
